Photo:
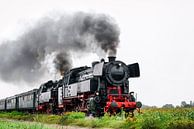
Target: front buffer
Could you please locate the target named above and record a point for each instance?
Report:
(115, 106)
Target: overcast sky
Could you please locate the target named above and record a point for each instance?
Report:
(159, 35)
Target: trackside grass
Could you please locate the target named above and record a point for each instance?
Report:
(18, 125)
(158, 118)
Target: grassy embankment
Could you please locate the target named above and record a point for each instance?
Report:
(178, 118)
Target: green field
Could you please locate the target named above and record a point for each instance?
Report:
(158, 118)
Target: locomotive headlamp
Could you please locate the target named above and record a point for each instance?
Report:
(97, 93)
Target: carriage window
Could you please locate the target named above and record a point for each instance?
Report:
(26, 98)
(12, 101)
(30, 97)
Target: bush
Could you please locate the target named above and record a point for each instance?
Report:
(180, 124)
(49, 119)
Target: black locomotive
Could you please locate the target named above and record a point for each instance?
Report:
(104, 87)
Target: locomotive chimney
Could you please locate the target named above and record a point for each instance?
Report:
(111, 58)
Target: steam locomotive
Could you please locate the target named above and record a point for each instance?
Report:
(104, 87)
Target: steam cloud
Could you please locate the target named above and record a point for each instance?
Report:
(22, 59)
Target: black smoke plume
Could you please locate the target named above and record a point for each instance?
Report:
(23, 59)
(62, 63)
